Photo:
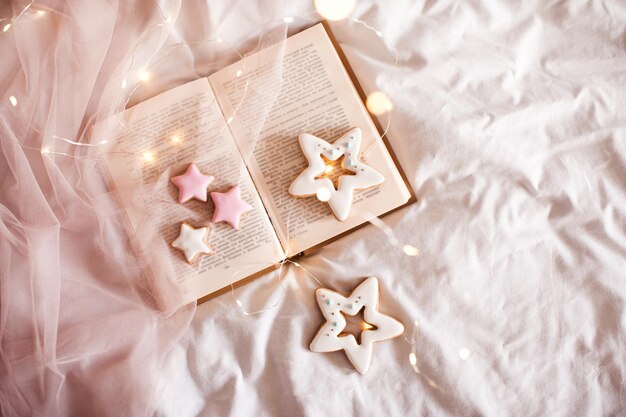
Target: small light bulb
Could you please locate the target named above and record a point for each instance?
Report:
(6, 27)
(45, 150)
(410, 250)
(412, 359)
(102, 142)
(144, 76)
(334, 9)
(323, 194)
(176, 139)
(328, 169)
(378, 103)
(230, 119)
(13, 101)
(41, 12)
(239, 303)
(238, 74)
(288, 19)
(148, 156)
(464, 353)
(169, 19)
(124, 83)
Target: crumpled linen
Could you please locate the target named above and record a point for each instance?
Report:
(509, 121)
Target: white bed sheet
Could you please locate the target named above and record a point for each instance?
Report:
(510, 122)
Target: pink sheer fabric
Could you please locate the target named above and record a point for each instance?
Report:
(85, 323)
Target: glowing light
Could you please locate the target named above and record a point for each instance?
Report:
(288, 19)
(176, 139)
(238, 74)
(219, 40)
(102, 142)
(239, 303)
(230, 119)
(328, 169)
(13, 101)
(45, 150)
(323, 194)
(169, 19)
(334, 9)
(148, 156)
(124, 83)
(410, 250)
(366, 326)
(378, 103)
(144, 75)
(41, 12)
(6, 27)
(464, 353)
(412, 359)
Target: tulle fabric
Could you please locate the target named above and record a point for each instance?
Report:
(86, 320)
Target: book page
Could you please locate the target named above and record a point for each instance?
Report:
(314, 94)
(157, 140)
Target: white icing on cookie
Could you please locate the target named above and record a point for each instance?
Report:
(192, 242)
(340, 199)
(334, 305)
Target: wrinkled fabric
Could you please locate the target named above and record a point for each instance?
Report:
(509, 121)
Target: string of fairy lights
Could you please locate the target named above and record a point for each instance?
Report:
(141, 76)
(377, 103)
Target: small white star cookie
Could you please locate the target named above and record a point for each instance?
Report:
(354, 175)
(378, 326)
(193, 241)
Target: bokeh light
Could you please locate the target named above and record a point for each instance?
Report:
(464, 353)
(144, 76)
(334, 9)
(378, 103)
(148, 156)
(410, 250)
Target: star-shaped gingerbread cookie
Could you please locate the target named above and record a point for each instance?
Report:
(229, 207)
(354, 174)
(192, 184)
(377, 326)
(193, 242)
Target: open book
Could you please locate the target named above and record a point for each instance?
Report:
(315, 94)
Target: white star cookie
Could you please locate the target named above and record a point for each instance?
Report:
(192, 241)
(355, 174)
(378, 326)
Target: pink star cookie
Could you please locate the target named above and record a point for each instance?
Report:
(229, 207)
(192, 184)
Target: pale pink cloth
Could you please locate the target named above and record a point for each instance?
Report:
(86, 317)
(509, 122)
(84, 325)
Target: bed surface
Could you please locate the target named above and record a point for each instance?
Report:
(509, 120)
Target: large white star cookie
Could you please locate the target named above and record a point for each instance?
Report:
(193, 242)
(354, 173)
(378, 326)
